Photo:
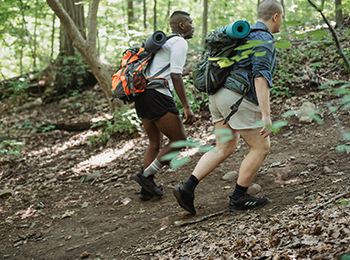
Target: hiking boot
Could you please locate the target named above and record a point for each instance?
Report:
(145, 195)
(247, 202)
(185, 198)
(148, 184)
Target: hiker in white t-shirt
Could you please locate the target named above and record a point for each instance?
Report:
(156, 107)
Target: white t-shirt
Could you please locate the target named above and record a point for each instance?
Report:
(174, 51)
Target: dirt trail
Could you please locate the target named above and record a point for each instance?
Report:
(64, 199)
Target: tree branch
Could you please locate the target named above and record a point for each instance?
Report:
(67, 23)
(92, 22)
(335, 37)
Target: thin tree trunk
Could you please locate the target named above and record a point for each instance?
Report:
(130, 14)
(338, 14)
(155, 16)
(144, 14)
(22, 38)
(34, 35)
(168, 10)
(205, 19)
(52, 37)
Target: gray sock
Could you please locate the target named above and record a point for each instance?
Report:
(152, 168)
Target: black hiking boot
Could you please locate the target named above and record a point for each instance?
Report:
(185, 198)
(145, 195)
(247, 202)
(148, 184)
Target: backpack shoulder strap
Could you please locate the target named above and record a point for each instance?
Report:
(167, 66)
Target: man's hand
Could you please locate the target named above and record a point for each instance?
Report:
(265, 131)
(189, 116)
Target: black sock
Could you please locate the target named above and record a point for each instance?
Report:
(238, 192)
(192, 183)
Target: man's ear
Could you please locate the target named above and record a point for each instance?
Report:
(181, 25)
(274, 17)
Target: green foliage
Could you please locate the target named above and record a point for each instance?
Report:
(10, 147)
(195, 101)
(72, 67)
(124, 120)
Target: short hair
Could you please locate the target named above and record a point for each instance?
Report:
(268, 8)
(179, 13)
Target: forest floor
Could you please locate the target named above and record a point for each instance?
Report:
(63, 198)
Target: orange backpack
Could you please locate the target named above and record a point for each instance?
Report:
(130, 79)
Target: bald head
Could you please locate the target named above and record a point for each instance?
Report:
(268, 8)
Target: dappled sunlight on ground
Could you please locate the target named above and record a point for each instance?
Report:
(101, 118)
(25, 213)
(105, 157)
(76, 140)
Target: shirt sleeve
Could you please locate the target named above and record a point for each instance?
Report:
(262, 65)
(178, 53)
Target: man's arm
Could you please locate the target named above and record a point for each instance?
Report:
(262, 88)
(180, 91)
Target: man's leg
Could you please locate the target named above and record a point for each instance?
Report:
(259, 148)
(171, 126)
(226, 143)
(155, 138)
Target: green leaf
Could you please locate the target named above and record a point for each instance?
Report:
(179, 144)
(300, 35)
(342, 148)
(260, 53)
(345, 99)
(282, 45)
(82, 179)
(250, 44)
(347, 32)
(333, 109)
(224, 131)
(343, 202)
(177, 163)
(247, 52)
(317, 118)
(339, 7)
(225, 63)
(317, 34)
(277, 126)
(347, 136)
(204, 149)
(288, 113)
(291, 23)
(170, 156)
(224, 139)
(258, 124)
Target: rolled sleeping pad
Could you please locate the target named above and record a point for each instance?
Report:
(236, 30)
(155, 41)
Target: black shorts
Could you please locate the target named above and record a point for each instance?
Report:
(153, 105)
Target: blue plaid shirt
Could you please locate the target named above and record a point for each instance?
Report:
(261, 66)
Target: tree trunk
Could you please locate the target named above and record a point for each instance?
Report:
(87, 47)
(144, 14)
(155, 16)
(338, 14)
(72, 74)
(168, 10)
(130, 14)
(205, 19)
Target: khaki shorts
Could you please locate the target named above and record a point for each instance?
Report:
(247, 115)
